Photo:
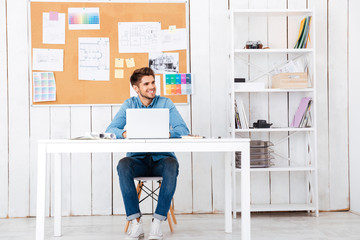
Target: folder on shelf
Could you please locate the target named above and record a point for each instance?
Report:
(303, 106)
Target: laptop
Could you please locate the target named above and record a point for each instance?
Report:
(147, 123)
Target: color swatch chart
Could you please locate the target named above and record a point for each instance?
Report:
(84, 18)
(177, 84)
(44, 86)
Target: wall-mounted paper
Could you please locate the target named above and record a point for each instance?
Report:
(119, 73)
(48, 59)
(137, 37)
(157, 84)
(84, 18)
(164, 62)
(177, 84)
(173, 40)
(172, 28)
(94, 59)
(130, 62)
(119, 62)
(44, 87)
(54, 16)
(53, 28)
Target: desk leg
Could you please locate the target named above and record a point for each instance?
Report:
(228, 220)
(245, 194)
(57, 195)
(40, 200)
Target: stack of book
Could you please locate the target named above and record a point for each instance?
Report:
(302, 117)
(240, 116)
(304, 33)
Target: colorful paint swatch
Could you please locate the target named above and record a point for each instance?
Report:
(177, 84)
(84, 18)
(44, 87)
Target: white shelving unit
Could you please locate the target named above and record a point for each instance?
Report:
(306, 143)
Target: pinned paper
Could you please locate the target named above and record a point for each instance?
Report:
(44, 87)
(54, 16)
(119, 62)
(172, 28)
(130, 62)
(119, 73)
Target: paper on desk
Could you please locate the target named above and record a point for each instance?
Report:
(94, 59)
(157, 84)
(137, 37)
(53, 28)
(48, 59)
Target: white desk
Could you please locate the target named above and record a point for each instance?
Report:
(164, 145)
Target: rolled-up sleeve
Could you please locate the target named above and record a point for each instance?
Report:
(177, 124)
(118, 123)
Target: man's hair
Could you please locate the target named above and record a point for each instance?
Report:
(139, 73)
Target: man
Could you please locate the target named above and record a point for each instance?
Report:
(147, 164)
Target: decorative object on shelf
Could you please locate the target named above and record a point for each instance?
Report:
(290, 80)
(261, 124)
(304, 33)
(302, 117)
(260, 154)
(254, 45)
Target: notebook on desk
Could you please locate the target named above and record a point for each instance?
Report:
(147, 123)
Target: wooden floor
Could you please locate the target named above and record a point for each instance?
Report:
(273, 226)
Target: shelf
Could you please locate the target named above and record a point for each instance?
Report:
(280, 207)
(275, 90)
(273, 12)
(285, 50)
(280, 169)
(274, 130)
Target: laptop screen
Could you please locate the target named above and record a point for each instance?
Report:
(147, 123)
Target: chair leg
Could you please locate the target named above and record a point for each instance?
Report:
(138, 190)
(172, 212)
(170, 223)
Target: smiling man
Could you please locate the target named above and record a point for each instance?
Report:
(134, 165)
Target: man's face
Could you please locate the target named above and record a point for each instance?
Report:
(146, 88)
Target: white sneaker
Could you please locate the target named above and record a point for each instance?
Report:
(155, 232)
(136, 231)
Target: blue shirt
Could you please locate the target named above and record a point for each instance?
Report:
(177, 129)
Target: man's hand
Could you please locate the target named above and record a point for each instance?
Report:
(124, 134)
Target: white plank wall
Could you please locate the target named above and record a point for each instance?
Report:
(201, 99)
(354, 114)
(338, 111)
(18, 105)
(101, 187)
(321, 7)
(219, 71)
(90, 181)
(4, 154)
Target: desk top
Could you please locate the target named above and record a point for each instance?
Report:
(146, 145)
(170, 140)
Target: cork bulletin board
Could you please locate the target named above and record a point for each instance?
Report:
(72, 91)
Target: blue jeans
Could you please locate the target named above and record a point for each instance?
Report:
(129, 168)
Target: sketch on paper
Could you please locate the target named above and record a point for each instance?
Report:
(48, 59)
(94, 59)
(137, 37)
(164, 62)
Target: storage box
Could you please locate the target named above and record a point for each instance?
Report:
(290, 80)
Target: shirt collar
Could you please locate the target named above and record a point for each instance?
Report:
(151, 104)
